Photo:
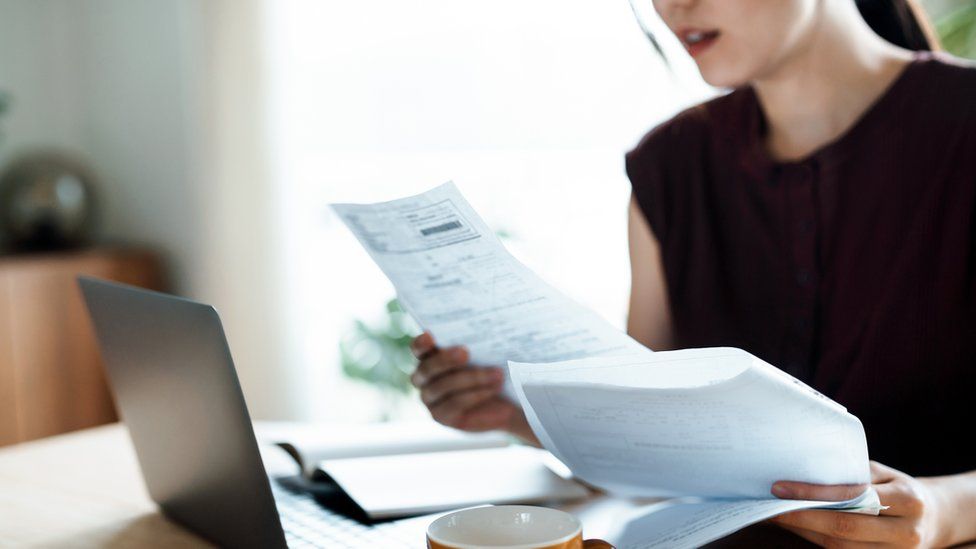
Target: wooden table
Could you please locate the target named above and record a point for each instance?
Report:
(81, 489)
(84, 489)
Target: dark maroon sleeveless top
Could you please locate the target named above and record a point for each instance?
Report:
(854, 269)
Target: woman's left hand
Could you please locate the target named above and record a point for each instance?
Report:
(912, 518)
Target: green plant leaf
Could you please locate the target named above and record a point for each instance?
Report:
(957, 31)
(380, 354)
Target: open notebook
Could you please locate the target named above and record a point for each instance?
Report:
(402, 469)
(310, 443)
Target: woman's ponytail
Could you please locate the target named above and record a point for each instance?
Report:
(901, 22)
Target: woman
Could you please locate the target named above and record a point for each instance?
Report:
(823, 217)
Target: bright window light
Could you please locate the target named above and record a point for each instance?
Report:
(527, 106)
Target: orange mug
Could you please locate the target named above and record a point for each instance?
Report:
(509, 527)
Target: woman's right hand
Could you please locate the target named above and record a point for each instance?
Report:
(463, 396)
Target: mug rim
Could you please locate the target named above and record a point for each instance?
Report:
(578, 531)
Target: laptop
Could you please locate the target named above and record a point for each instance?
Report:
(175, 385)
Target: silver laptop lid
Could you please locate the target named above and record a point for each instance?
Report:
(175, 385)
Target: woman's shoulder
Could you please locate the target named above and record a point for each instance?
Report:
(948, 66)
(950, 83)
(669, 163)
(686, 137)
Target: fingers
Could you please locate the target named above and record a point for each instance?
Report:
(458, 381)
(422, 345)
(493, 414)
(901, 498)
(846, 526)
(899, 524)
(819, 539)
(882, 473)
(437, 363)
(824, 540)
(785, 489)
(456, 394)
(452, 411)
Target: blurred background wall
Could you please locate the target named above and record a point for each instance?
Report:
(163, 99)
(221, 129)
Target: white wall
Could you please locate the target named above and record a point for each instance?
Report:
(105, 81)
(162, 99)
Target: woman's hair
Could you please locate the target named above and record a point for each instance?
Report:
(901, 22)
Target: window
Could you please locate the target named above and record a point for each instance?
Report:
(527, 106)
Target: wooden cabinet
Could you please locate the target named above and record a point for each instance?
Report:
(51, 378)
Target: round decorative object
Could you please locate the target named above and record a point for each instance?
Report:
(46, 203)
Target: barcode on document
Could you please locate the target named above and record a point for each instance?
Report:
(441, 228)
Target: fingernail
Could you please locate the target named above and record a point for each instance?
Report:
(458, 354)
(781, 491)
(497, 375)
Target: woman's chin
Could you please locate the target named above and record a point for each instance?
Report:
(722, 76)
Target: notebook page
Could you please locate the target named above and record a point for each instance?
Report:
(401, 485)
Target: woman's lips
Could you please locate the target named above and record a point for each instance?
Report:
(696, 41)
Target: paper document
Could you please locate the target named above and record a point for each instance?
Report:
(689, 524)
(717, 423)
(457, 280)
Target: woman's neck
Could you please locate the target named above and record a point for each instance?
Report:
(834, 75)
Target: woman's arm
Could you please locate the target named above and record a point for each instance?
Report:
(956, 495)
(649, 321)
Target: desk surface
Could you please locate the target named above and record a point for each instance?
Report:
(84, 489)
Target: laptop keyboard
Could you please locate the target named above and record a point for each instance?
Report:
(308, 524)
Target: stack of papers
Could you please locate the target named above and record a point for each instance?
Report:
(714, 428)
